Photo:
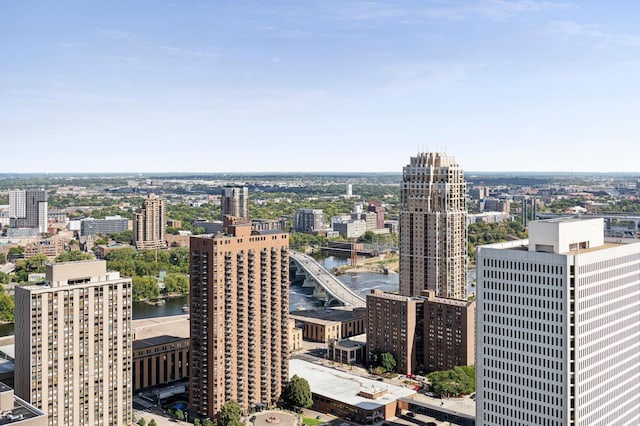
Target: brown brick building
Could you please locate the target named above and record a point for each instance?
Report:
(449, 331)
(239, 318)
(392, 326)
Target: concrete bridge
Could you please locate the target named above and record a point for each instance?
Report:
(326, 286)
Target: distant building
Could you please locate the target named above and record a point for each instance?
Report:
(349, 192)
(57, 216)
(496, 205)
(376, 207)
(558, 332)
(269, 224)
(106, 226)
(235, 201)
(370, 219)
(487, 217)
(308, 220)
(28, 209)
(209, 226)
(239, 308)
(149, 224)
(349, 228)
(73, 344)
(50, 248)
(174, 223)
(433, 229)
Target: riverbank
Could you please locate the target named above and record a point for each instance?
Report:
(162, 298)
(383, 264)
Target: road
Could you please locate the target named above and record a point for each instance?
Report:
(329, 282)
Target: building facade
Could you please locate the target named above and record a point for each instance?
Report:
(28, 209)
(235, 201)
(149, 224)
(433, 230)
(73, 345)
(325, 325)
(106, 226)
(239, 307)
(558, 328)
(308, 220)
(394, 326)
(449, 333)
(160, 351)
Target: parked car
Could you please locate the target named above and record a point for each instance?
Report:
(411, 414)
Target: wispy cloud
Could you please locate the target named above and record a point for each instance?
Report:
(566, 29)
(115, 34)
(410, 77)
(448, 10)
(287, 32)
(187, 52)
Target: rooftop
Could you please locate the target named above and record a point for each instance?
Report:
(153, 331)
(325, 315)
(345, 387)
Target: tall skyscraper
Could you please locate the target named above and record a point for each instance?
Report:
(239, 307)
(28, 209)
(150, 223)
(433, 230)
(73, 345)
(235, 201)
(558, 328)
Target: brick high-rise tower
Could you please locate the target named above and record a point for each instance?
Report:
(239, 318)
(150, 223)
(433, 230)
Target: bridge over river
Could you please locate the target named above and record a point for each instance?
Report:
(326, 286)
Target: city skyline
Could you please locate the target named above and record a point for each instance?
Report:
(311, 88)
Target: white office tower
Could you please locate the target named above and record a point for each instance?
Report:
(558, 328)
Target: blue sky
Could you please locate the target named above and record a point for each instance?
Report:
(335, 85)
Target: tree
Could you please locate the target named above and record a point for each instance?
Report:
(179, 414)
(197, 422)
(72, 256)
(385, 361)
(230, 414)
(145, 288)
(459, 381)
(6, 307)
(176, 283)
(3, 259)
(142, 422)
(297, 393)
(207, 422)
(122, 237)
(152, 422)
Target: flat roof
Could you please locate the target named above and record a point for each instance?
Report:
(160, 329)
(324, 314)
(344, 387)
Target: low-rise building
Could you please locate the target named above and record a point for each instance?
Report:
(160, 351)
(349, 396)
(348, 351)
(325, 325)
